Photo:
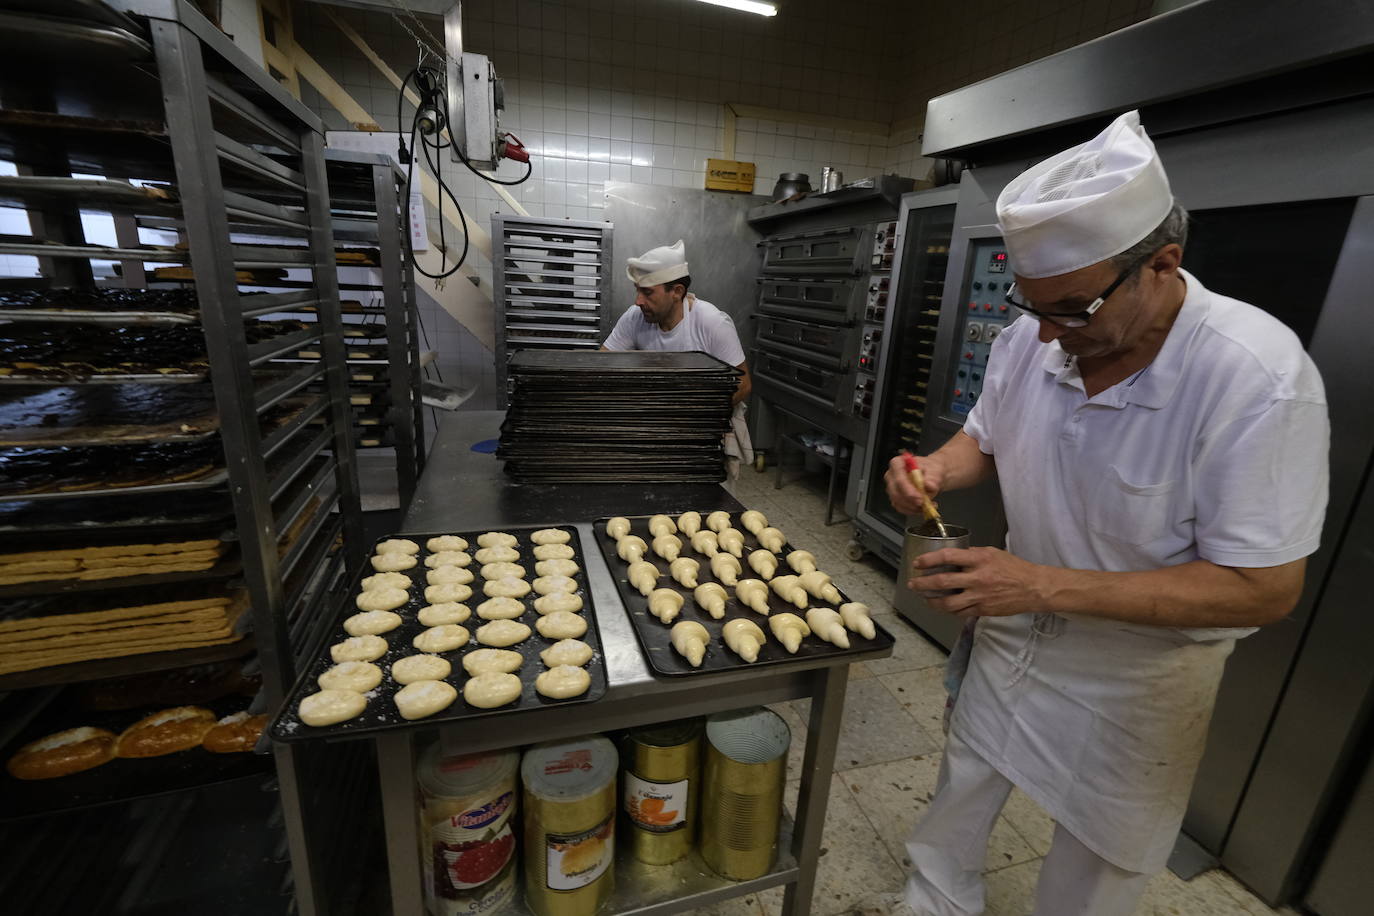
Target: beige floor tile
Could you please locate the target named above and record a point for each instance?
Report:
(1011, 891)
(912, 651)
(1205, 895)
(875, 728)
(922, 694)
(1030, 820)
(1242, 894)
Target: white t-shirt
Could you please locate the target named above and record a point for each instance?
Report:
(703, 327)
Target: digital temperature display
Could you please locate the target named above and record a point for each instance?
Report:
(997, 264)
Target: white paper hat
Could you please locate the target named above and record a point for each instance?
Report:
(1085, 204)
(658, 265)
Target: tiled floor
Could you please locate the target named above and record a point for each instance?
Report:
(889, 755)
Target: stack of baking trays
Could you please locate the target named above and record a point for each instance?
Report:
(630, 416)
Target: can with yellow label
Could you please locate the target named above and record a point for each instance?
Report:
(659, 798)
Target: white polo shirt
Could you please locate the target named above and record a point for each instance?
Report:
(1217, 450)
(703, 327)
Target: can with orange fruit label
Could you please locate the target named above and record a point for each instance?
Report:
(662, 771)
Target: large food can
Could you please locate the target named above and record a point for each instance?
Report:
(569, 825)
(746, 765)
(466, 827)
(662, 770)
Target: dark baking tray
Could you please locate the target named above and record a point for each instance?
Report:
(614, 362)
(653, 635)
(380, 714)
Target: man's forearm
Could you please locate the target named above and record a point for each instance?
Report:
(963, 462)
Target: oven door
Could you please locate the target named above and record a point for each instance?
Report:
(845, 250)
(825, 301)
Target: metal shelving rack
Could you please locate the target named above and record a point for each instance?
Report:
(551, 279)
(150, 90)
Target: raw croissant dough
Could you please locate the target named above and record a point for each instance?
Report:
(684, 570)
(855, 617)
(705, 542)
(371, 623)
(726, 568)
(383, 598)
(446, 542)
(501, 570)
(414, 668)
(618, 527)
(801, 561)
(763, 562)
(554, 552)
(561, 625)
(563, 681)
(752, 593)
(771, 539)
(660, 525)
(493, 689)
(392, 562)
(386, 580)
(496, 555)
(500, 609)
(668, 546)
(732, 540)
(711, 597)
(432, 615)
(506, 587)
(502, 633)
(557, 601)
(665, 604)
(828, 625)
(547, 585)
(444, 638)
(399, 545)
(718, 521)
(566, 652)
(448, 558)
(789, 589)
(360, 677)
(444, 575)
(643, 575)
(689, 639)
(753, 521)
(689, 523)
(449, 591)
(424, 698)
(817, 584)
(743, 637)
(496, 539)
(500, 661)
(789, 629)
(631, 548)
(550, 536)
(329, 707)
(358, 649)
(555, 568)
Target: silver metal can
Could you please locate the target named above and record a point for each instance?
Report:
(921, 540)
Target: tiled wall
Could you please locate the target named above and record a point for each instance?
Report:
(239, 18)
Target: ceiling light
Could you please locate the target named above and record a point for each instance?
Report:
(748, 6)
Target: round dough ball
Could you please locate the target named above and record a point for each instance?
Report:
(500, 609)
(550, 536)
(554, 552)
(547, 585)
(399, 545)
(497, 555)
(386, 580)
(502, 633)
(414, 668)
(445, 575)
(433, 615)
(496, 539)
(360, 677)
(558, 601)
(392, 562)
(384, 598)
(555, 568)
(448, 558)
(561, 625)
(563, 681)
(444, 638)
(424, 698)
(445, 542)
(448, 591)
(358, 649)
(372, 623)
(329, 707)
(506, 587)
(501, 661)
(566, 652)
(502, 569)
(493, 689)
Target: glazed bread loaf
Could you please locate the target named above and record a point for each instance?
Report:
(165, 732)
(65, 752)
(234, 734)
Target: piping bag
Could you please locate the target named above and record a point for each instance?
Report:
(928, 507)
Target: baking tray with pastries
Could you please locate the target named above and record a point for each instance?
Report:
(721, 591)
(102, 564)
(101, 306)
(136, 516)
(366, 330)
(65, 471)
(358, 257)
(448, 627)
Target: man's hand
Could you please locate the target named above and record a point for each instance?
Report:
(994, 583)
(902, 492)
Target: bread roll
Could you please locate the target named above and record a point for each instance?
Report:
(493, 689)
(399, 545)
(424, 698)
(387, 580)
(445, 542)
(392, 562)
(563, 681)
(501, 661)
(443, 638)
(358, 649)
(566, 652)
(500, 609)
(444, 575)
(496, 539)
(448, 591)
(433, 615)
(414, 668)
(330, 707)
(448, 558)
(557, 601)
(554, 552)
(496, 555)
(555, 568)
(371, 623)
(502, 633)
(165, 732)
(561, 625)
(548, 585)
(65, 752)
(550, 536)
(382, 598)
(236, 734)
(359, 677)
(506, 587)
(501, 570)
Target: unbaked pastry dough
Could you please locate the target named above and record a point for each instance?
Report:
(618, 527)
(643, 575)
(665, 604)
(684, 570)
(828, 625)
(501, 661)
(788, 588)
(487, 691)
(743, 637)
(771, 539)
(763, 562)
(329, 707)
(547, 585)
(502, 633)
(554, 552)
(689, 639)
(705, 542)
(448, 574)
(561, 625)
(502, 569)
(449, 591)
(550, 536)
(500, 608)
(448, 558)
(358, 649)
(399, 545)
(660, 525)
(855, 617)
(392, 562)
(818, 585)
(360, 677)
(386, 580)
(789, 629)
(506, 587)
(752, 593)
(557, 601)
(725, 568)
(372, 623)
(801, 561)
(668, 546)
(497, 555)
(711, 598)
(631, 548)
(424, 698)
(689, 523)
(446, 542)
(444, 638)
(384, 598)
(563, 681)
(731, 539)
(555, 568)
(753, 520)
(718, 521)
(566, 652)
(496, 539)
(433, 615)
(414, 668)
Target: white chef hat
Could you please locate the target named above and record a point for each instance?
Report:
(658, 265)
(1085, 204)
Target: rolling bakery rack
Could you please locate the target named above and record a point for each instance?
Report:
(152, 389)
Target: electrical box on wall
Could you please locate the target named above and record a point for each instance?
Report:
(728, 175)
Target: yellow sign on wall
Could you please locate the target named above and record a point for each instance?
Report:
(727, 175)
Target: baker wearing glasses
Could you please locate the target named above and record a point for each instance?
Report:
(1161, 451)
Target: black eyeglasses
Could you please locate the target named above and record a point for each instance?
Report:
(1073, 319)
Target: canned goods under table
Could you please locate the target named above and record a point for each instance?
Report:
(463, 489)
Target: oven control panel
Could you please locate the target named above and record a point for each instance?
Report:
(984, 314)
(875, 313)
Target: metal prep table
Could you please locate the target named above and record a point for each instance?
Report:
(461, 488)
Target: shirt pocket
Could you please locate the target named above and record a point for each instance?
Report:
(1132, 512)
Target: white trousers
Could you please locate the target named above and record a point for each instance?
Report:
(948, 847)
